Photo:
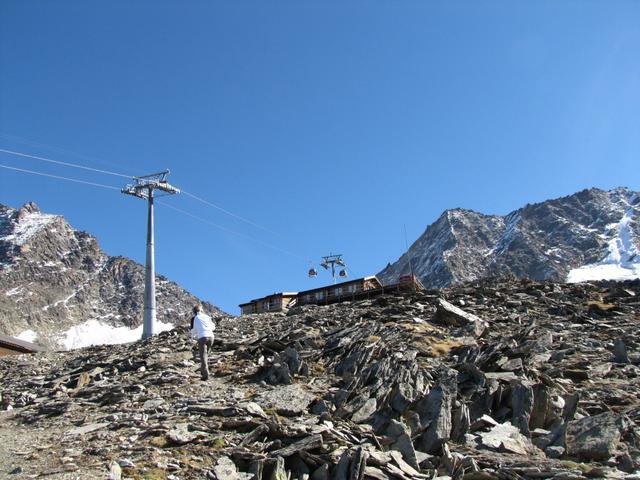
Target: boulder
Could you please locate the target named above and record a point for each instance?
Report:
(400, 438)
(594, 438)
(435, 413)
(451, 315)
(506, 437)
(288, 400)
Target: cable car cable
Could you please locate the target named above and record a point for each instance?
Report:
(66, 164)
(206, 202)
(265, 244)
(33, 172)
(107, 172)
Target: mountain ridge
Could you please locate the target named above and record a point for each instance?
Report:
(59, 288)
(542, 241)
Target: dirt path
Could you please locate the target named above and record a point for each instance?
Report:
(25, 452)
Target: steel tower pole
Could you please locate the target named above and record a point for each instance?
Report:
(143, 187)
(149, 326)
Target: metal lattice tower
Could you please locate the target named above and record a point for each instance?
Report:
(143, 188)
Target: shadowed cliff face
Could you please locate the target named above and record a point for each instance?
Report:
(53, 277)
(545, 241)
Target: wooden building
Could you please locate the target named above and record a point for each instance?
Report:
(14, 346)
(358, 289)
(350, 290)
(339, 292)
(271, 303)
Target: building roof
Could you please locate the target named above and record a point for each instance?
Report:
(13, 343)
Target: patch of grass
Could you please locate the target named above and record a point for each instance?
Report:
(570, 464)
(435, 347)
(274, 415)
(422, 328)
(218, 444)
(601, 306)
(160, 442)
(151, 474)
(317, 368)
(444, 347)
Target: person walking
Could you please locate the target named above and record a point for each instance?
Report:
(202, 327)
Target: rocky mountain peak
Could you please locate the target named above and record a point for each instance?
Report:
(544, 241)
(29, 207)
(58, 288)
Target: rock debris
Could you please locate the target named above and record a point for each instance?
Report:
(513, 380)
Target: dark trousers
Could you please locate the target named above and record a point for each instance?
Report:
(204, 344)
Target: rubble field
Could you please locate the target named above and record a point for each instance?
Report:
(492, 380)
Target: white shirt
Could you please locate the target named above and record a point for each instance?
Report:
(203, 326)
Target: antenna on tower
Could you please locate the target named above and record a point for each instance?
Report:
(143, 187)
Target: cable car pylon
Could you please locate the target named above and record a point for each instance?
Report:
(143, 187)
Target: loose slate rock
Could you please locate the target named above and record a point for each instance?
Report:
(180, 434)
(451, 315)
(92, 427)
(508, 438)
(225, 469)
(288, 400)
(594, 438)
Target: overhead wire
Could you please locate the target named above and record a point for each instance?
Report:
(129, 177)
(66, 164)
(59, 177)
(42, 174)
(25, 141)
(234, 232)
(191, 195)
(206, 202)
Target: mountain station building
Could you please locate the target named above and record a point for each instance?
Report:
(358, 289)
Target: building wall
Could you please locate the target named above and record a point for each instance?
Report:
(371, 283)
(7, 351)
(287, 300)
(328, 294)
(268, 304)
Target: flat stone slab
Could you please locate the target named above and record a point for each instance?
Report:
(92, 427)
(508, 438)
(287, 400)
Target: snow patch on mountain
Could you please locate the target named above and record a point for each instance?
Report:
(592, 229)
(27, 225)
(622, 261)
(511, 230)
(28, 336)
(95, 332)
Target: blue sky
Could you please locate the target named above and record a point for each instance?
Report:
(330, 124)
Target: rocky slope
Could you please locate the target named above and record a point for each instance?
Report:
(57, 285)
(593, 234)
(518, 380)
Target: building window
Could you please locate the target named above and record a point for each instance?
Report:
(320, 295)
